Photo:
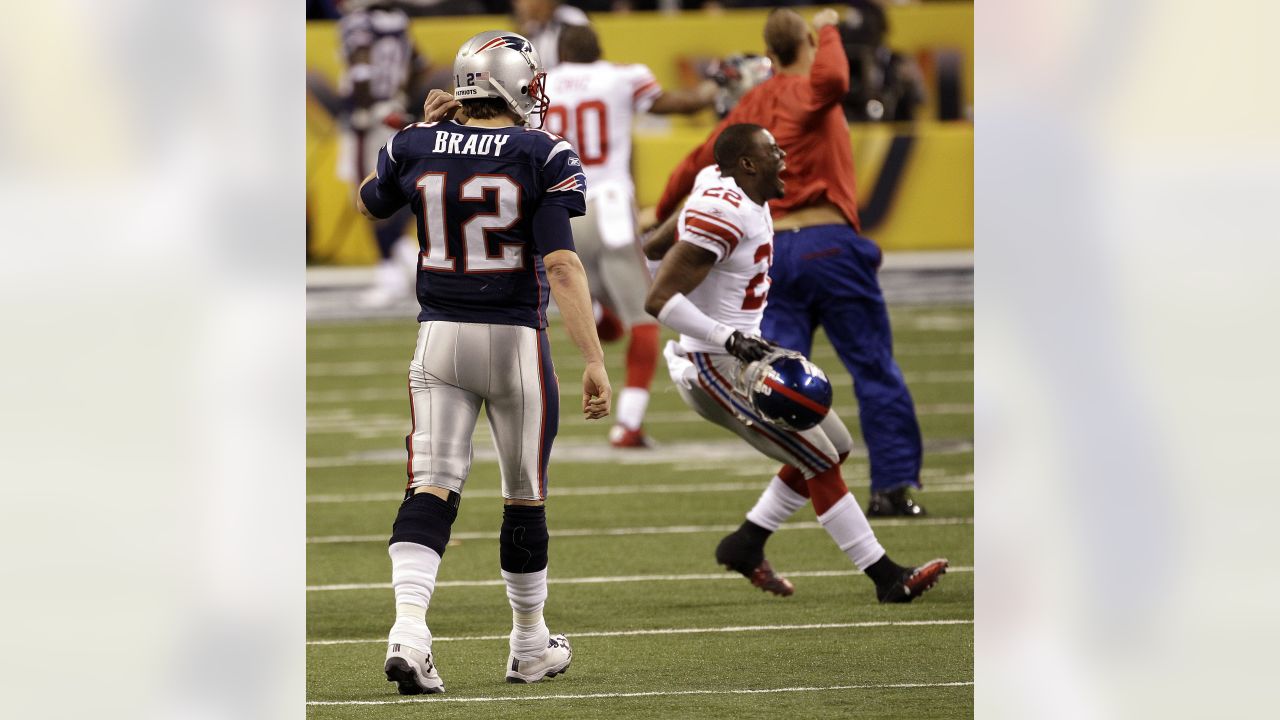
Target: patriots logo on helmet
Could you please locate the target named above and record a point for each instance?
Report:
(515, 42)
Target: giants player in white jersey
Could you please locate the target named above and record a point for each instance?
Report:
(712, 288)
(593, 103)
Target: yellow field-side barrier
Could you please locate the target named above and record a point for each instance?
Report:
(926, 204)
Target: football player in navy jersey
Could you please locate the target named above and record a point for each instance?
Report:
(384, 74)
(493, 198)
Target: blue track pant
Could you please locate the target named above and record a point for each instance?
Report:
(827, 275)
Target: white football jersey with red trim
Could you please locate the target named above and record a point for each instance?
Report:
(592, 105)
(720, 218)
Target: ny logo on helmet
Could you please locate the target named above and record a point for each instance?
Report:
(515, 42)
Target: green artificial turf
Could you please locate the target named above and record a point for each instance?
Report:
(641, 525)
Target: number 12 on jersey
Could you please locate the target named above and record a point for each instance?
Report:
(476, 257)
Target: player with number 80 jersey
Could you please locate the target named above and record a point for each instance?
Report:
(474, 191)
(594, 104)
(720, 218)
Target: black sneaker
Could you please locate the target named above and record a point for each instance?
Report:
(893, 503)
(914, 583)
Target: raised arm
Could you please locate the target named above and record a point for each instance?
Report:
(829, 76)
(379, 197)
(684, 102)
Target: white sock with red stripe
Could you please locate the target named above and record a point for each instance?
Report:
(413, 577)
(527, 593)
(777, 503)
(846, 524)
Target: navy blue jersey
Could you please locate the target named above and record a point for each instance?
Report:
(475, 191)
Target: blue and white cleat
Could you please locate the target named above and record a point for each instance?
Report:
(553, 662)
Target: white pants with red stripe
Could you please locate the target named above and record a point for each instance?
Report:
(709, 391)
(456, 368)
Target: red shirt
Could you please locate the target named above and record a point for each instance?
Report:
(806, 119)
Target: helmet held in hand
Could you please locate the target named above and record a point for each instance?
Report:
(786, 389)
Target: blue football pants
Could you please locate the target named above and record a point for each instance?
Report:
(827, 275)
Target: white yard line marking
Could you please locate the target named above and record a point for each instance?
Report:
(399, 394)
(678, 631)
(656, 530)
(344, 422)
(396, 333)
(608, 579)
(400, 336)
(596, 450)
(567, 491)
(357, 368)
(965, 483)
(654, 693)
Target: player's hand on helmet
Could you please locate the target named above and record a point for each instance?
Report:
(748, 348)
(825, 17)
(596, 392)
(439, 105)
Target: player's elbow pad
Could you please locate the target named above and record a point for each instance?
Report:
(377, 205)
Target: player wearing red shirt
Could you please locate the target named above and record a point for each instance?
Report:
(803, 112)
(824, 271)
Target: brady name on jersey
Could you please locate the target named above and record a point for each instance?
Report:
(475, 190)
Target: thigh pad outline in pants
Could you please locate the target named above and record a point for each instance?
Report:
(712, 396)
(458, 366)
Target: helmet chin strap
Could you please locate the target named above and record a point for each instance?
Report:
(511, 102)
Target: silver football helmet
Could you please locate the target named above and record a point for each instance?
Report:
(504, 65)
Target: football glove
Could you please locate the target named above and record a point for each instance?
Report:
(748, 348)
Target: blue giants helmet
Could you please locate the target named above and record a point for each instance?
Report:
(786, 389)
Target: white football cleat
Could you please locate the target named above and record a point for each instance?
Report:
(553, 662)
(413, 671)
